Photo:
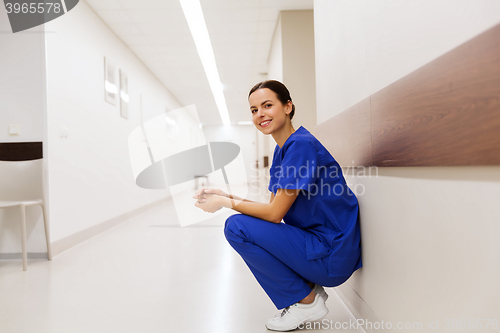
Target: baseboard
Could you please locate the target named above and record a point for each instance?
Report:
(19, 256)
(359, 309)
(70, 241)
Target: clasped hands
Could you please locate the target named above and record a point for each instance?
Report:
(209, 200)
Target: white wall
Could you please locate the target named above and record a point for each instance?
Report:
(275, 59)
(90, 177)
(22, 81)
(429, 234)
(297, 31)
(292, 61)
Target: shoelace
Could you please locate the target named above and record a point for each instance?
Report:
(285, 310)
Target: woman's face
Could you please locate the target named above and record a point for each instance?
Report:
(268, 114)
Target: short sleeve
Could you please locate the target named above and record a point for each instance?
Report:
(297, 170)
(273, 166)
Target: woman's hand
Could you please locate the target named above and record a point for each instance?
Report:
(208, 199)
(209, 203)
(202, 192)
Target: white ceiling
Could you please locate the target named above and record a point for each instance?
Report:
(240, 31)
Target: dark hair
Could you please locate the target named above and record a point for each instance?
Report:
(279, 89)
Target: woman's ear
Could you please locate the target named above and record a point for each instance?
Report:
(288, 109)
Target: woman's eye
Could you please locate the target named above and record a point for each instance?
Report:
(253, 110)
(268, 105)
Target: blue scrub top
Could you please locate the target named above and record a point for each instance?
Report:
(325, 206)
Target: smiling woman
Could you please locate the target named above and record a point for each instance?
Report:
(319, 242)
(272, 109)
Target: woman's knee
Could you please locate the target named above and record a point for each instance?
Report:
(230, 222)
(231, 227)
(335, 281)
(240, 227)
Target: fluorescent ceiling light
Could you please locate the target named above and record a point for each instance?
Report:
(196, 21)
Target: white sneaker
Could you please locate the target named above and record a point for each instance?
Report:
(296, 314)
(317, 290)
(320, 291)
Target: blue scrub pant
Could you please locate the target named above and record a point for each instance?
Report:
(276, 255)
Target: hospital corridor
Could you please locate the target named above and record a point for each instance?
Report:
(249, 166)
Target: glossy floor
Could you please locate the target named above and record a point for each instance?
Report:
(145, 275)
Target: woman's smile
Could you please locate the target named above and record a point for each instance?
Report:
(265, 123)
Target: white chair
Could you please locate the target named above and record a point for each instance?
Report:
(21, 185)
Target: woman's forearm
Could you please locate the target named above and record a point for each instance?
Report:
(235, 197)
(259, 210)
